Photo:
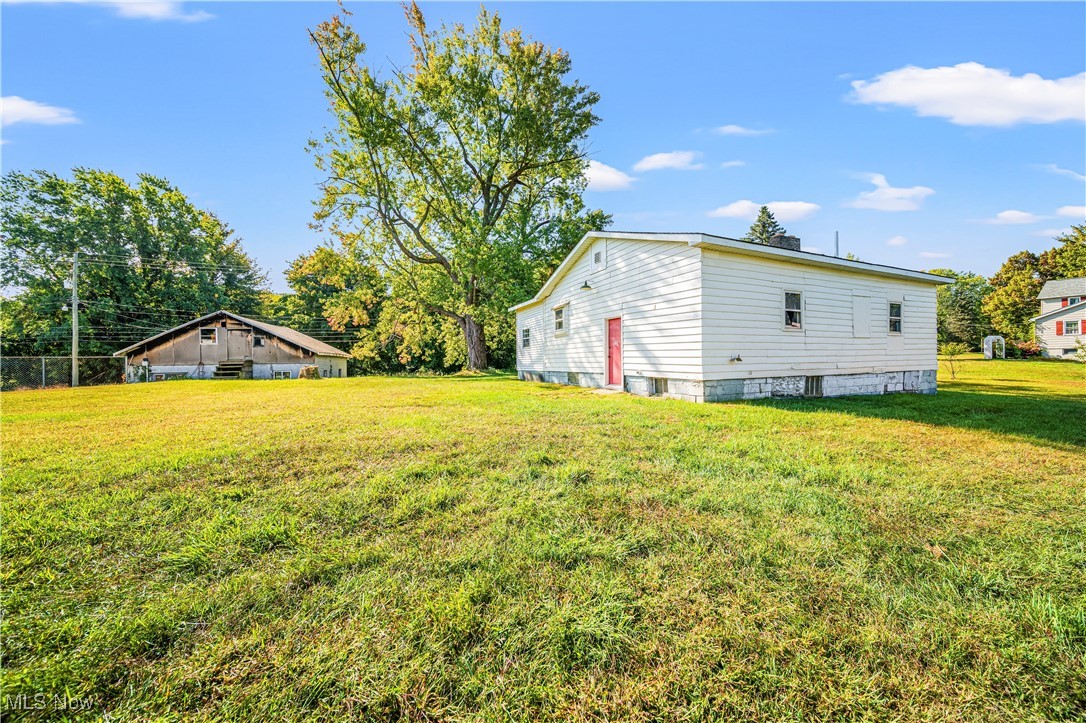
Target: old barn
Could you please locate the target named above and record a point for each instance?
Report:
(223, 345)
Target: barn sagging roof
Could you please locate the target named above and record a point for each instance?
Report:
(297, 338)
(1061, 288)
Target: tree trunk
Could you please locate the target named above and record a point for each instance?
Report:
(475, 342)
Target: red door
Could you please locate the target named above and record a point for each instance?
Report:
(614, 352)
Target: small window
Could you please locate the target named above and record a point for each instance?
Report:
(525, 338)
(158, 377)
(812, 386)
(1070, 327)
(281, 375)
(209, 336)
(258, 340)
(560, 320)
(793, 310)
(895, 317)
(659, 386)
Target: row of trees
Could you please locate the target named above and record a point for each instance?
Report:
(975, 306)
(453, 187)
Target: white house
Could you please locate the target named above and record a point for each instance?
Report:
(1062, 321)
(707, 318)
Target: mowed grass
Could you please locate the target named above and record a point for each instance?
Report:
(478, 548)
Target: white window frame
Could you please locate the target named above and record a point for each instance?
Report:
(282, 374)
(1072, 300)
(890, 317)
(525, 338)
(785, 310)
(209, 328)
(1067, 329)
(563, 310)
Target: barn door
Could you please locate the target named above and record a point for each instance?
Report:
(614, 352)
(237, 344)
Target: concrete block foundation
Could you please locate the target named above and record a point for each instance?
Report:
(920, 381)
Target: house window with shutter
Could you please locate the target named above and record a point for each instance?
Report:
(793, 310)
(895, 317)
(1070, 327)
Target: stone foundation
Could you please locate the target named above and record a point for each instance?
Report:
(726, 390)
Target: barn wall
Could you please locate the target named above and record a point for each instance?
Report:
(845, 320)
(654, 286)
(185, 349)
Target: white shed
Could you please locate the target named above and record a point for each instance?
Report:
(1062, 322)
(707, 318)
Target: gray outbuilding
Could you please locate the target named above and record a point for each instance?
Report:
(224, 345)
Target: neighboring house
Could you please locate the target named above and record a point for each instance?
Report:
(707, 318)
(1063, 317)
(223, 345)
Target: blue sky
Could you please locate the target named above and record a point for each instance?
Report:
(927, 134)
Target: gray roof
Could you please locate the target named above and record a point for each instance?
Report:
(297, 338)
(1061, 288)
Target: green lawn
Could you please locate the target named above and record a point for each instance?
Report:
(473, 548)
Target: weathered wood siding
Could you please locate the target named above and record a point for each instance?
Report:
(185, 348)
(845, 320)
(654, 286)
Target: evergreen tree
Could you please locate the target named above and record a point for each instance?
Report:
(764, 227)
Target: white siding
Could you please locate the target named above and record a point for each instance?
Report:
(654, 286)
(1046, 331)
(845, 320)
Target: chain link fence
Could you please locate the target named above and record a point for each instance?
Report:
(40, 372)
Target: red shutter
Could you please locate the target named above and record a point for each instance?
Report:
(1063, 302)
(1059, 328)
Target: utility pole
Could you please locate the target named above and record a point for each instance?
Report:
(75, 319)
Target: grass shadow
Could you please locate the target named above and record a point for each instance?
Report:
(1051, 420)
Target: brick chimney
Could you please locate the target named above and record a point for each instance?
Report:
(783, 241)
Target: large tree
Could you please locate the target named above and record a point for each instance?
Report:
(453, 173)
(764, 227)
(959, 313)
(149, 259)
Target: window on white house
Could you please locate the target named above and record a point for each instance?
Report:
(525, 338)
(209, 336)
(895, 317)
(1073, 300)
(793, 310)
(1070, 327)
(560, 320)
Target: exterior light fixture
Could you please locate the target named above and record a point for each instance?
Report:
(585, 286)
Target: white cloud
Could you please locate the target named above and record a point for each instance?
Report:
(14, 109)
(971, 94)
(1053, 168)
(602, 177)
(897, 241)
(887, 198)
(734, 130)
(1072, 211)
(1010, 217)
(678, 160)
(732, 164)
(1050, 232)
(934, 255)
(782, 210)
(140, 9)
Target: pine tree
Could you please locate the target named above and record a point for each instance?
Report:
(764, 227)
